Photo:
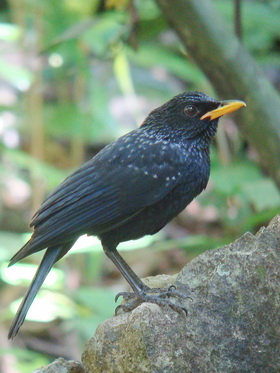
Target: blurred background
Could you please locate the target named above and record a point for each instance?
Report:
(74, 76)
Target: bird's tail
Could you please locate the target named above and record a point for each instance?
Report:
(52, 255)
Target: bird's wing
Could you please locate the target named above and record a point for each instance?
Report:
(116, 184)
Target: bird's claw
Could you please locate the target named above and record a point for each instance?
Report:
(129, 306)
(152, 295)
(172, 291)
(125, 294)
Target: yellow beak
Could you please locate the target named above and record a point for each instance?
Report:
(225, 107)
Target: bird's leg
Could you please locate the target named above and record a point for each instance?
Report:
(142, 293)
(134, 281)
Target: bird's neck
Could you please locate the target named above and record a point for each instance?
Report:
(181, 136)
(161, 129)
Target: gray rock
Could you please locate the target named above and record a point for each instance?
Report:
(233, 322)
(62, 366)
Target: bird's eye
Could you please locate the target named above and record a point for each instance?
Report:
(190, 110)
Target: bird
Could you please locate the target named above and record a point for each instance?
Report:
(133, 187)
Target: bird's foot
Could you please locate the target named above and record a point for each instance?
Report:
(152, 295)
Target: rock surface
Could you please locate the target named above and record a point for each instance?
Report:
(62, 366)
(233, 322)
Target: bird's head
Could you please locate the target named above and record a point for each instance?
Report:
(192, 113)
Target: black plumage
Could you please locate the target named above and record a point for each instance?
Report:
(131, 188)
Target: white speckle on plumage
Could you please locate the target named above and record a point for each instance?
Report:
(155, 176)
(173, 178)
(146, 173)
(167, 179)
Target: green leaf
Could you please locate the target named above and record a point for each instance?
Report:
(52, 175)
(260, 23)
(65, 120)
(94, 306)
(9, 242)
(48, 306)
(151, 54)
(89, 243)
(106, 33)
(193, 244)
(263, 194)
(18, 76)
(9, 32)
(147, 9)
(253, 221)
(23, 273)
(229, 179)
(27, 359)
